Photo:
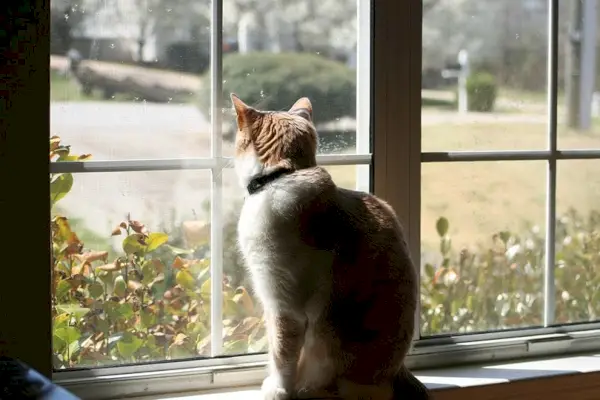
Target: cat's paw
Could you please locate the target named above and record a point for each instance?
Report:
(272, 390)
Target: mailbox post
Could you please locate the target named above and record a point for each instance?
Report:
(462, 73)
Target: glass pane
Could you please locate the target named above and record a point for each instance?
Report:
(243, 326)
(131, 253)
(278, 51)
(482, 246)
(579, 75)
(484, 75)
(126, 77)
(578, 241)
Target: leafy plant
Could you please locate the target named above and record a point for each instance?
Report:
(500, 285)
(482, 90)
(152, 302)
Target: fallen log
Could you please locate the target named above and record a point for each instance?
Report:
(148, 84)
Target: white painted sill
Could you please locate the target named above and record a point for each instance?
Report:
(440, 379)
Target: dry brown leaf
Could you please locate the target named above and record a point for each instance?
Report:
(134, 285)
(180, 339)
(137, 226)
(114, 266)
(178, 263)
(76, 269)
(92, 256)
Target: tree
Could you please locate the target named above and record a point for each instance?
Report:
(154, 16)
(287, 25)
(66, 18)
(508, 36)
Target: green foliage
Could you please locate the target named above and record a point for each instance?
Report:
(271, 81)
(150, 303)
(500, 285)
(482, 90)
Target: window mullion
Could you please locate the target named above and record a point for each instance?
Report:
(396, 114)
(549, 283)
(216, 197)
(363, 91)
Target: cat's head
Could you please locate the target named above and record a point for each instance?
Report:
(268, 140)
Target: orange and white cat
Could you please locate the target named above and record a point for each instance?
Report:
(330, 265)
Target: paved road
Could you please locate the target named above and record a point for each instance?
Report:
(112, 131)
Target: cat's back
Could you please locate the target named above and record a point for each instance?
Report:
(276, 224)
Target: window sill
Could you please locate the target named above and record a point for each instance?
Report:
(556, 377)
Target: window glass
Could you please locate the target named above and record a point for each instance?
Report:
(484, 88)
(139, 237)
(578, 75)
(484, 75)
(482, 254)
(577, 271)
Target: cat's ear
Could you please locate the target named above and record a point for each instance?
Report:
(246, 115)
(303, 108)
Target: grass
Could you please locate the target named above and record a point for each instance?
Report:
(63, 88)
(66, 89)
(485, 198)
(490, 196)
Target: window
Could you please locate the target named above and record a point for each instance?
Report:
(509, 217)
(144, 91)
(143, 192)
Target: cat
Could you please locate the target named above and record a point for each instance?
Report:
(330, 266)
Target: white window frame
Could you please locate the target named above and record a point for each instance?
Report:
(395, 126)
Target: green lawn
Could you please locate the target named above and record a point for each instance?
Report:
(482, 199)
(64, 88)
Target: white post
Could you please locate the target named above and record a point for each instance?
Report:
(463, 61)
(588, 63)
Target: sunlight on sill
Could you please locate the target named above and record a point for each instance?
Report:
(446, 378)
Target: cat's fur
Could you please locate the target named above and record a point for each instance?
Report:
(330, 266)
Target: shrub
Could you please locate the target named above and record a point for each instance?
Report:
(482, 90)
(150, 303)
(276, 80)
(500, 285)
(187, 57)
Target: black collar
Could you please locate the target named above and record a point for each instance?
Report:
(258, 182)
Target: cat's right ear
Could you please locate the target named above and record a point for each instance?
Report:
(245, 114)
(303, 108)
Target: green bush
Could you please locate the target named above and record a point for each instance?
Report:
(273, 81)
(500, 285)
(152, 300)
(482, 90)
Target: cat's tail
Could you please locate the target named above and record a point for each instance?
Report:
(408, 387)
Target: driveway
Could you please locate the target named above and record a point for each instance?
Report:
(113, 131)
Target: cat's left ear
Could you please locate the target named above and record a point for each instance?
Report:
(303, 108)
(246, 115)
